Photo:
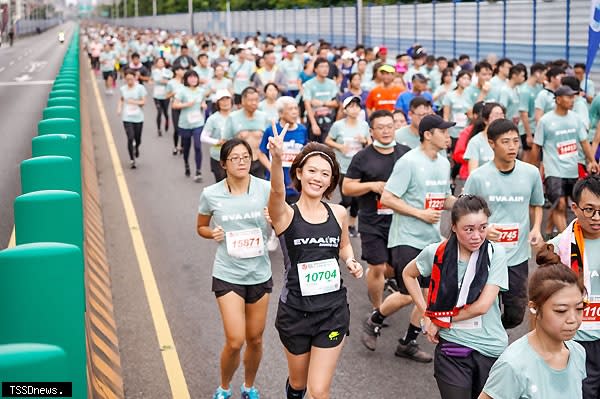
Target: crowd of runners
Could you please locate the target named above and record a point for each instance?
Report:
(402, 139)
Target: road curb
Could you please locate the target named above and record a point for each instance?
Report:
(104, 360)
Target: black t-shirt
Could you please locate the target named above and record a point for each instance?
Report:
(369, 165)
(142, 70)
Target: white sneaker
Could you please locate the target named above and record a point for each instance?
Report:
(273, 242)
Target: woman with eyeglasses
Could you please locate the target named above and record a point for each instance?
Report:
(241, 275)
(579, 248)
(461, 312)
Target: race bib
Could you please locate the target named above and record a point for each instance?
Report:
(509, 234)
(353, 146)
(160, 91)
(245, 243)
(290, 151)
(591, 317)
(567, 149)
(435, 201)
(195, 116)
(460, 119)
(132, 109)
(319, 277)
(471, 324)
(382, 210)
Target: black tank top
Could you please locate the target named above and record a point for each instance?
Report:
(307, 242)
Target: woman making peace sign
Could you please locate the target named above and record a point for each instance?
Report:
(313, 316)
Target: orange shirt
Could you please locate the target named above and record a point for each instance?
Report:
(383, 97)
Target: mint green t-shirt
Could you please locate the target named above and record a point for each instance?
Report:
(342, 133)
(291, 70)
(459, 104)
(107, 60)
(473, 91)
(510, 100)
(160, 78)
(594, 115)
(204, 73)
(173, 86)
(498, 83)
(191, 117)
(490, 338)
(527, 96)
(545, 101)
(509, 197)
(316, 90)
(479, 149)
(238, 122)
(421, 182)
(131, 112)
(521, 373)
(235, 213)
(560, 137)
(405, 136)
(241, 75)
(215, 85)
(269, 110)
(214, 127)
(592, 255)
(580, 108)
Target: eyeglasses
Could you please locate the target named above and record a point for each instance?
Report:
(589, 212)
(237, 160)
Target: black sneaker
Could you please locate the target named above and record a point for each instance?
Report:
(159, 133)
(175, 151)
(413, 352)
(198, 177)
(371, 331)
(353, 231)
(187, 171)
(137, 152)
(391, 285)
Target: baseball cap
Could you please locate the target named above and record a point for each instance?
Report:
(222, 94)
(383, 50)
(430, 122)
(350, 100)
(387, 68)
(420, 76)
(401, 67)
(564, 91)
(290, 48)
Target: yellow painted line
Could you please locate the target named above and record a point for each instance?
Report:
(166, 345)
(13, 240)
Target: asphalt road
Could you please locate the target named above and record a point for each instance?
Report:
(26, 73)
(166, 204)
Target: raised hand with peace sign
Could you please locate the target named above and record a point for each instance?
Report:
(275, 145)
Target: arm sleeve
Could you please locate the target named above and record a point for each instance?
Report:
(206, 135)
(355, 170)
(204, 206)
(425, 259)
(265, 140)
(471, 151)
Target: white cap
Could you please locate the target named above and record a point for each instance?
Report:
(290, 48)
(222, 93)
(347, 55)
(350, 99)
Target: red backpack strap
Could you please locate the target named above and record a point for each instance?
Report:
(436, 273)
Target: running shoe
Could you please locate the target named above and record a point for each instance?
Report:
(159, 132)
(137, 152)
(371, 331)
(175, 151)
(353, 231)
(413, 352)
(273, 242)
(187, 171)
(132, 164)
(249, 393)
(391, 285)
(221, 393)
(198, 177)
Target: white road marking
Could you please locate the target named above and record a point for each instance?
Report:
(23, 78)
(29, 83)
(2, 69)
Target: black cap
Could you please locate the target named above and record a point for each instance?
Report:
(430, 122)
(565, 91)
(419, 76)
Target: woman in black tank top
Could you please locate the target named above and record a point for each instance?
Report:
(313, 316)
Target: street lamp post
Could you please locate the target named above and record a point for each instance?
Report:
(136, 9)
(154, 8)
(124, 8)
(191, 12)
